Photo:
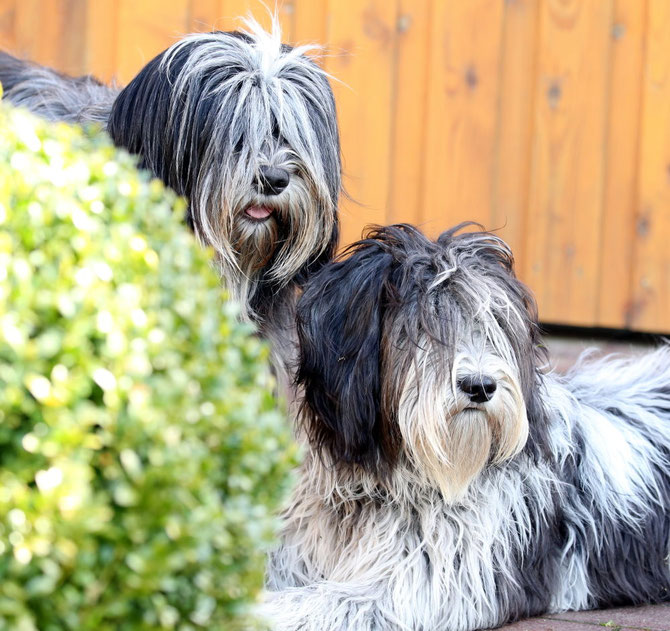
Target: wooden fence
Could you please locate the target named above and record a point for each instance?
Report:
(547, 120)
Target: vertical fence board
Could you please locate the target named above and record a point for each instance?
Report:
(622, 143)
(102, 35)
(362, 38)
(309, 22)
(462, 97)
(233, 10)
(515, 123)
(410, 82)
(142, 36)
(27, 18)
(8, 25)
(69, 44)
(651, 276)
(231, 14)
(51, 33)
(286, 14)
(566, 192)
(204, 16)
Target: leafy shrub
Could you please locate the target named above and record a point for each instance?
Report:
(141, 452)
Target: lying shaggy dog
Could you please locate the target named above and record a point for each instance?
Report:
(450, 485)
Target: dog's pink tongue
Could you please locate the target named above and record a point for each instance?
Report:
(258, 212)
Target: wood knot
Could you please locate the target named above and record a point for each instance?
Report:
(471, 77)
(554, 94)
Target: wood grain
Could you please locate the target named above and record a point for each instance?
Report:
(232, 12)
(204, 16)
(310, 22)
(8, 25)
(410, 87)
(463, 92)
(49, 32)
(615, 307)
(651, 271)
(563, 237)
(142, 36)
(514, 125)
(362, 39)
(102, 39)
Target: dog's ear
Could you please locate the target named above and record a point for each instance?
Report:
(340, 316)
(145, 120)
(140, 120)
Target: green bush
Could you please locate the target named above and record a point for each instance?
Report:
(141, 451)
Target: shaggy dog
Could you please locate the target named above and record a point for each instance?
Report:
(449, 484)
(244, 127)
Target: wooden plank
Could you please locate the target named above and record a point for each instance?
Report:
(26, 21)
(410, 88)
(204, 16)
(615, 307)
(462, 97)
(651, 276)
(51, 32)
(7, 25)
(70, 41)
(362, 38)
(102, 32)
(566, 191)
(233, 10)
(309, 22)
(286, 11)
(145, 29)
(511, 169)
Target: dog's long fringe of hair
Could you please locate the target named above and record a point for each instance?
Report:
(205, 116)
(416, 510)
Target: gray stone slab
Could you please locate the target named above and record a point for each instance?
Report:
(546, 624)
(564, 350)
(654, 618)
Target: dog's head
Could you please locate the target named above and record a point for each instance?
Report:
(420, 354)
(244, 127)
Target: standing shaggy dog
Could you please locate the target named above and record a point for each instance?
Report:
(243, 126)
(450, 485)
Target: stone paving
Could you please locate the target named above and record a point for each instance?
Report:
(563, 352)
(650, 618)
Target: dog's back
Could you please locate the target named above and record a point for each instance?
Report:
(53, 95)
(612, 442)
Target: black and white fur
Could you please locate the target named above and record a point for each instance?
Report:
(242, 125)
(450, 484)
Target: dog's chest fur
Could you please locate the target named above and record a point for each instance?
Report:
(590, 527)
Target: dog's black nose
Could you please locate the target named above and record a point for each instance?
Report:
(272, 180)
(479, 388)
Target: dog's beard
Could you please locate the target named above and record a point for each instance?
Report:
(255, 243)
(274, 250)
(448, 439)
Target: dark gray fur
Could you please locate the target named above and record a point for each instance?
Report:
(577, 517)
